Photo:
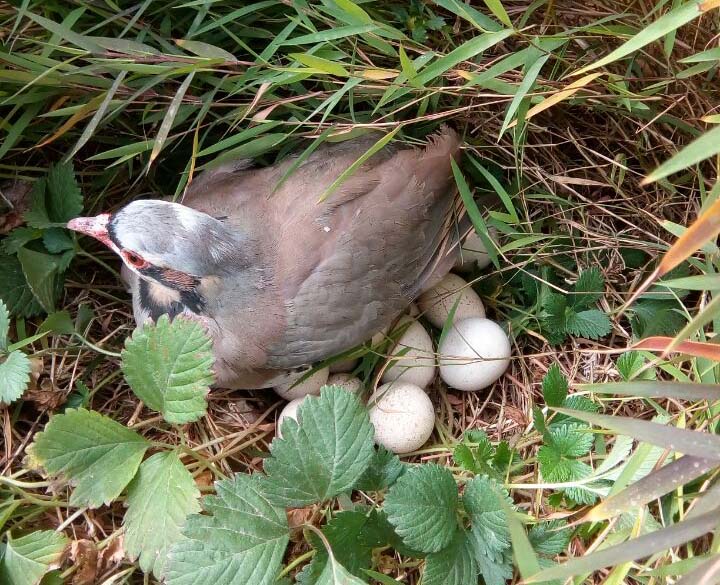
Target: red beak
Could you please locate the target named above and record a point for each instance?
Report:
(95, 227)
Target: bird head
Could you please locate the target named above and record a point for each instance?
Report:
(163, 242)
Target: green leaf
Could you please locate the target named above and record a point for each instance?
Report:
(37, 216)
(168, 366)
(14, 289)
(667, 23)
(494, 572)
(592, 324)
(96, 454)
(28, 558)
(160, 497)
(240, 539)
(384, 469)
(656, 318)
(352, 535)
(57, 240)
(698, 150)
(570, 440)
(17, 238)
(169, 118)
(554, 386)
(14, 376)
(325, 455)
(550, 538)
(423, 505)
(40, 273)
(65, 200)
(630, 365)
(489, 524)
(324, 65)
(335, 574)
(453, 565)
(589, 288)
(4, 326)
(554, 309)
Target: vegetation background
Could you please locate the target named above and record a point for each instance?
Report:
(566, 109)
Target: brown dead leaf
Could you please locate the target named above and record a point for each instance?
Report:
(45, 396)
(205, 479)
(84, 555)
(114, 553)
(298, 517)
(14, 202)
(516, 415)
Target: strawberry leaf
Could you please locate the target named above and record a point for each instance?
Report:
(96, 454)
(423, 505)
(592, 324)
(160, 497)
(323, 456)
(168, 366)
(453, 565)
(241, 538)
(554, 386)
(14, 376)
(28, 558)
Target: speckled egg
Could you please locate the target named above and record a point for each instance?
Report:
(310, 385)
(417, 364)
(290, 411)
(474, 353)
(403, 416)
(437, 302)
(346, 382)
(474, 252)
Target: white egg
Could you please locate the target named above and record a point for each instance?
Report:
(290, 411)
(346, 382)
(344, 366)
(417, 365)
(474, 251)
(310, 385)
(403, 416)
(474, 354)
(437, 302)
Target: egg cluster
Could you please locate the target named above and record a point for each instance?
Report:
(473, 353)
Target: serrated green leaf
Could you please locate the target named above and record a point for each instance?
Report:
(591, 323)
(168, 366)
(651, 317)
(351, 535)
(553, 317)
(629, 366)
(96, 454)
(453, 565)
(489, 523)
(550, 538)
(335, 574)
(64, 200)
(570, 440)
(576, 402)
(239, 540)
(325, 455)
(422, 506)
(37, 216)
(57, 240)
(384, 469)
(14, 376)
(464, 457)
(554, 386)
(494, 572)
(17, 238)
(4, 326)
(14, 290)
(589, 289)
(40, 272)
(160, 497)
(28, 558)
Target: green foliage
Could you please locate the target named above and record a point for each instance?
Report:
(571, 315)
(631, 365)
(476, 454)
(24, 560)
(324, 456)
(94, 453)
(160, 497)
(241, 538)
(14, 365)
(35, 258)
(169, 366)
(423, 507)
(384, 469)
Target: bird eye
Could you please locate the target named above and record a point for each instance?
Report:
(134, 259)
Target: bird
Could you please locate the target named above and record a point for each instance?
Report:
(282, 273)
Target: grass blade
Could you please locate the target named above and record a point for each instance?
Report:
(701, 349)
(632, 550)
(698, 150)
(651, 487)
(170, 118)
(655, 389)
(658, 29)
(684, 441)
